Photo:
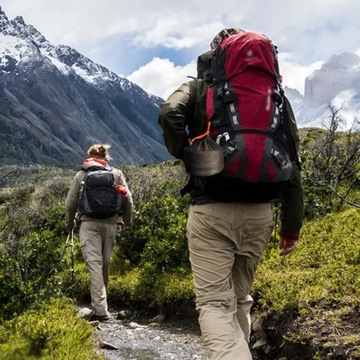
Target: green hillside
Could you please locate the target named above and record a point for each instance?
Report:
(308, 303)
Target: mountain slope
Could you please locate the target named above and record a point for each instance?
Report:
(337, 84)
(55, 103)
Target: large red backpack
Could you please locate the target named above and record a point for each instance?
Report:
(245, 106)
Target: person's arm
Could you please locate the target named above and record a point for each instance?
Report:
(174, 115)
(292, 214)
(128, 208)
(71, 201)
(292, 200)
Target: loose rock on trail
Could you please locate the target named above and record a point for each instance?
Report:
(125, 339)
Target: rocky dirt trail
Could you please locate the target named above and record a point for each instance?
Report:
(124, 338)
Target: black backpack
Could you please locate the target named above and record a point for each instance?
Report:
(98, 197)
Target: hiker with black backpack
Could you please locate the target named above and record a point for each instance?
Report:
(235, 131)
(101, 197)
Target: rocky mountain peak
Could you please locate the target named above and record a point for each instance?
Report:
(55, 103)
(2, 13)
(338, 74)
(4, 21)
(343, 62)
(336, 84)
(19, 20)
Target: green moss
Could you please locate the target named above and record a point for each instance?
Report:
(51, 331)
(176, 286)
(324, 267)
(145, 286)
(318, 283)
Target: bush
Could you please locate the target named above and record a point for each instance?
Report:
(31, 272)
(157, 235)
(331, 168)
(33, 261)
(140, 288)
(51, 331)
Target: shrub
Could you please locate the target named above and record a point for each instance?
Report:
(31, 269)
(51, 331)
(143, 287)
(331, 168)
(157, 235)
(32, 257)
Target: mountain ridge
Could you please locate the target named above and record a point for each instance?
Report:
(336, 84)
(55, 103)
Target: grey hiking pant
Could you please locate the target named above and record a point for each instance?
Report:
(97, 240)
(226, 241)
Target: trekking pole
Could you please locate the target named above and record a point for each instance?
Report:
(276, 216)
(72, 254)
(70, 242)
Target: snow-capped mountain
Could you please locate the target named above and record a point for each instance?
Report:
(336, 84)
(55, 103)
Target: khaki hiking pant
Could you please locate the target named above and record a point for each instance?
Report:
(97, 240)
(226, 241)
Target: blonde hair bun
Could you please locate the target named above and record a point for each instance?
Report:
(100, 151)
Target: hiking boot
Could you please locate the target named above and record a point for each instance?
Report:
(100, 318)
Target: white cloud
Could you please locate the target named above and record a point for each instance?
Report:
(294, 73)
(168, 32)
(185, 23)
(161, 76)
(125, 36)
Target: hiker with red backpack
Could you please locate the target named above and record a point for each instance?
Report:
(235, 131)
(102, 198)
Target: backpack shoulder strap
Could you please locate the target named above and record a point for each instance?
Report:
(96, 168)
(288, 116)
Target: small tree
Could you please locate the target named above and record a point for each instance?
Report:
(331, 167)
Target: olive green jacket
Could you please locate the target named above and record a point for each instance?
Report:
(182, 117)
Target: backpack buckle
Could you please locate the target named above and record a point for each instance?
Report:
(222, 136)
(226, 143)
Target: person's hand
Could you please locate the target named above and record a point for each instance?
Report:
(124, 225)
(71, 225)
(287, 245)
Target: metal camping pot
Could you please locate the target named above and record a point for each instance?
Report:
(204, 157)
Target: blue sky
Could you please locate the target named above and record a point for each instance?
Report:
(156, 43)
